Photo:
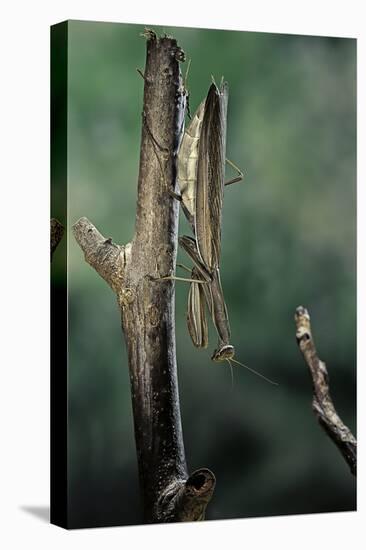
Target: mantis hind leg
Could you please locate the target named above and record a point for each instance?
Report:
(189, 270)
(173, 278)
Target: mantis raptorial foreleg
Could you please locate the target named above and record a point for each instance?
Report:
(154, 140)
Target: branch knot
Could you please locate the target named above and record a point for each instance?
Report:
(187, 500)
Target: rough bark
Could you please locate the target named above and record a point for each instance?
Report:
(57, 231)
(147, 305)
(323, 406)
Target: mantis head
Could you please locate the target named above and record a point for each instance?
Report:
(223, 353)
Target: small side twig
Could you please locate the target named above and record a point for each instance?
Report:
(147, 80)
(323, 406)
(106, 257)
(57, 231)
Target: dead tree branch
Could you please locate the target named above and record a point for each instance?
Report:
(147, 306)
(57, 231)
(323, 406)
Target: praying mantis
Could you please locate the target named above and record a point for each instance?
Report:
(200, 173)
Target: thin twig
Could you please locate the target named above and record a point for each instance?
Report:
(323, 406)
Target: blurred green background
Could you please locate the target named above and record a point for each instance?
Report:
(289, 238)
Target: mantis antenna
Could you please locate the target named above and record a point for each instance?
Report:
(253, 371)
(232, 374)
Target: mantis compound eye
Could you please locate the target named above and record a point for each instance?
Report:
(223, 353)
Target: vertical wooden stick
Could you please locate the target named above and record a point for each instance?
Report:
(147, 306)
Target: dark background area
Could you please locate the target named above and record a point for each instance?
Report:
(289, 238)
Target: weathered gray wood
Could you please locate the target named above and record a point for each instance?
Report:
(323, 406)
(147, 305)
